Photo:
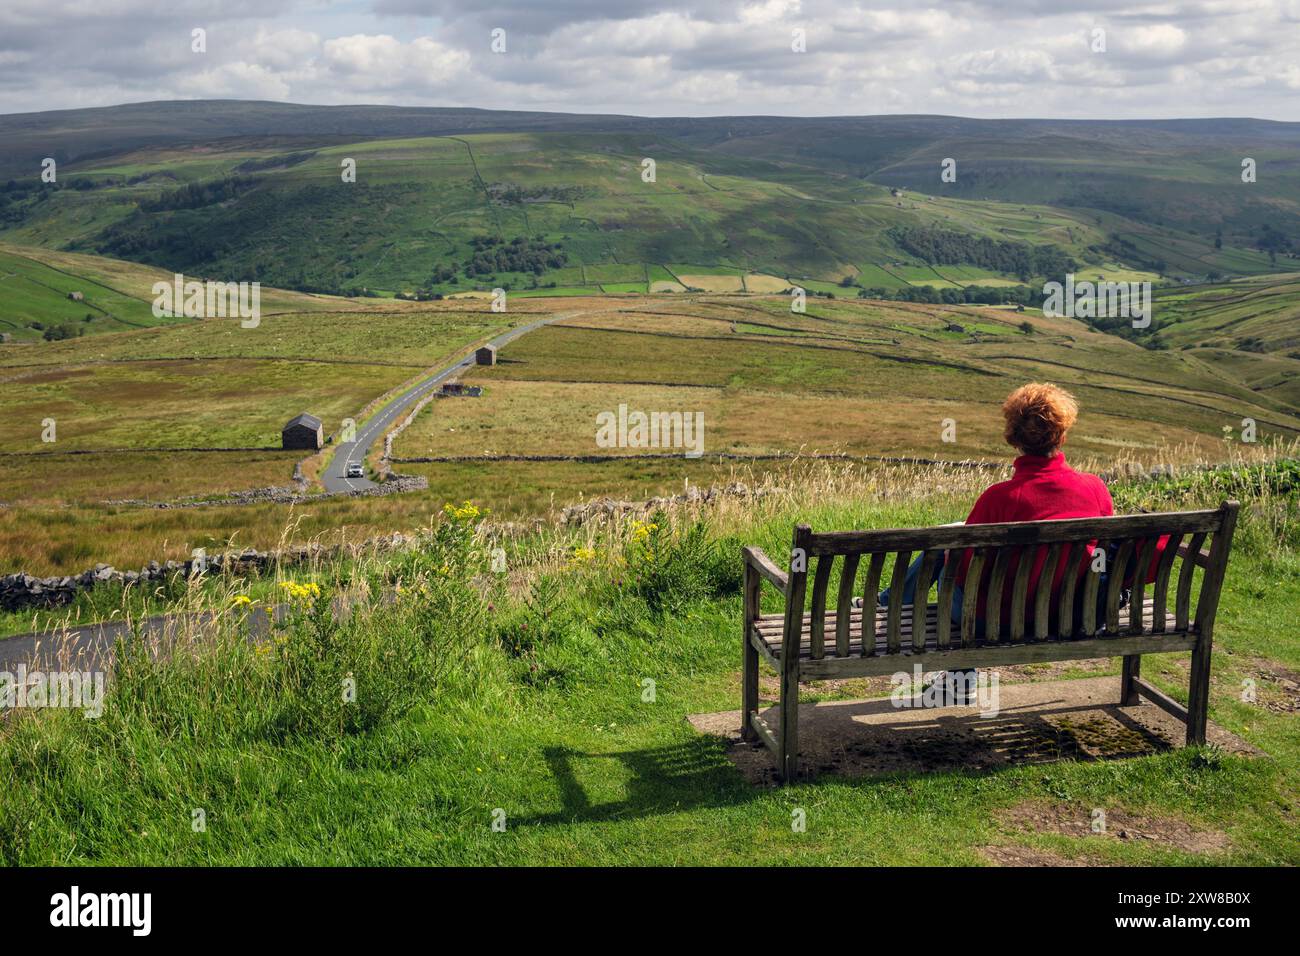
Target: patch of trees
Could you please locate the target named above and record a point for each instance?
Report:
(1125, 251)
(970, 295)
(57, 333)
(15, 197)
(945, 247)
(142, 242)
(491, 256)
(198, 195)
(1272, 241)
(508, 194)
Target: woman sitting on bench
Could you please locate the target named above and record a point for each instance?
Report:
(1038, 419)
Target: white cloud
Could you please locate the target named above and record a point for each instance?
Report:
(237, 80)
(1157, 39)
(665, 57)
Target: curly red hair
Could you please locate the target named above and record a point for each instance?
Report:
(1038, 417)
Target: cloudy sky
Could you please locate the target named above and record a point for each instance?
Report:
(982, 58)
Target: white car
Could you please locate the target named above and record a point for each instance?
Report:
(355, 470)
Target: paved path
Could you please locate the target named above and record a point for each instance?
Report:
(90, 647)
(335, 478)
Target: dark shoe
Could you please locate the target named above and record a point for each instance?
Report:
(954, 688)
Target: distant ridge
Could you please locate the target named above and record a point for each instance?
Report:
(81, 134)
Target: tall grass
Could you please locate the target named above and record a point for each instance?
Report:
(241, 700)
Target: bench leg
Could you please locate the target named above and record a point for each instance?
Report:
(789, 741)
(1198, 695)
(749, 692)
(749, 654)
(1128, 692)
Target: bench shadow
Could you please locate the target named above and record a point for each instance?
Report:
(657, 780)
(716, 769)
(866, 739)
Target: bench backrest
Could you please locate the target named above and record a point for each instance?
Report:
(998, 602)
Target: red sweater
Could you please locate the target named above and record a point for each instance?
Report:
(1041, 489)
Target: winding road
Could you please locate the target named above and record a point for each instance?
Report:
(335, 476)
(91, 645)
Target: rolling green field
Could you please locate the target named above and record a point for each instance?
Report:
(521, 693)
(521, 701)
(856, 377)
(421, 206)
(676, 284)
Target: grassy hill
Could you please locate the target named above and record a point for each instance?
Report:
(519, 699)
(253, 191)
(857, 377)
(36, 285)
(852, 377)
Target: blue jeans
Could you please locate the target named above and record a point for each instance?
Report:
(909, 586)
(962, 678)
(914, 571)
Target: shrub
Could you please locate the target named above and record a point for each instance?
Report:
(669, 568)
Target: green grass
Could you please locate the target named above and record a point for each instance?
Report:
(419, 202)
(533, 708)
(35, 292)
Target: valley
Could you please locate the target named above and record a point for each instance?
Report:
(661, 294)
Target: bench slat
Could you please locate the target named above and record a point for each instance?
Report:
(1182, 605)
(870, 590)
(1162, 583)
(921, 595)
(970, 599)
(1074, 553)
(896, 598)
(1115, 585)
(1091, 584)
(769, 630)
(993, 598)
(1020, 591)
(1043, 599)
(844, 604)
(943, 610)
(1137, 602)
(822, 577)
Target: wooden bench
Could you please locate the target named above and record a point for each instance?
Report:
(827, 639)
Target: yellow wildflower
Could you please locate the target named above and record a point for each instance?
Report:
(468, 512)
(304, 593)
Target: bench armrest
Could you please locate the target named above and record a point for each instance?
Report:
(760, 562)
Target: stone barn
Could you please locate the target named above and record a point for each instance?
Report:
(487, 355)
(302, 433)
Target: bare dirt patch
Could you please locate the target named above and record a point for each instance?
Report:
(1039, 722)
(1015, 855)
(1276, 688)
(1076, 820)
